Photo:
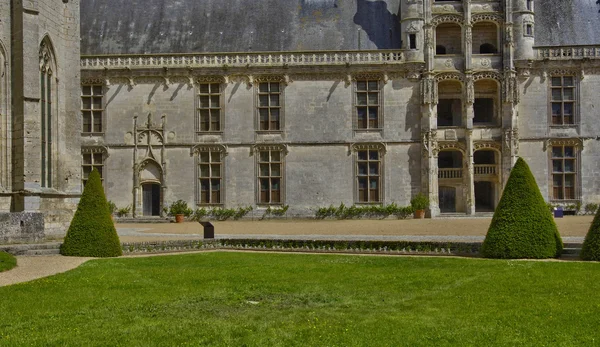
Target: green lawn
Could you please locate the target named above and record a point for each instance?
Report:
(7, 261)
(226, 298)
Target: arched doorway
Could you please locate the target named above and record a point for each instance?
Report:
(151, 199)
(151, 188)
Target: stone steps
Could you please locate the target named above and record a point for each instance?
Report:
(32, 248)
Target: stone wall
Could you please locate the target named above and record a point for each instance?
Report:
(21, 227)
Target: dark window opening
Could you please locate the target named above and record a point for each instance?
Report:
(529, 30)
(484, 157)
(484, 110)
(439, 49)
(412, 39)
(449, 112)
(487, 48)
(450, 160)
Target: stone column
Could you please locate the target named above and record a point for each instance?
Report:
(469, 97)
(429, 182)
(469, 178)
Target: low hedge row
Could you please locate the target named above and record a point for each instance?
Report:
(398, 247)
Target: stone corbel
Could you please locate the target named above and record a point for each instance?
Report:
(250, 80)
(385, 78)
(348, 80)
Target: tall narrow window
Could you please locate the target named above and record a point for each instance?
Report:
(368, 174)
(412, 41)
(270, 176)
(269, 106)
(209, 106)
(92, 108)
(564, 172)
(92, 161)
(210, 168)
(46, 107)
(367, 104)
(563, 100)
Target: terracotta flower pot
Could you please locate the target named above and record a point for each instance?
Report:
(419, 214)
(179, 218)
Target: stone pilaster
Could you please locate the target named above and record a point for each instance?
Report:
(469, 178)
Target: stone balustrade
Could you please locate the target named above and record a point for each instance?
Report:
(565, 53)
(486, 169)
(244, 59)
(446, 173)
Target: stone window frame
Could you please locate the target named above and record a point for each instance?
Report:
(528, 29)
(379, 104)
(576, 146)
(270, 80)
(575, 87)
(462, 95)
(95, 153)
(261, 163)
(92, 95)
(356, 150)
(48, 108)
(211, 81)
(198, 151)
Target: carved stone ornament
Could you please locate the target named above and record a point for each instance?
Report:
(575, 142)
(92, 81)
(199, 148)
(487, 75)
(374, 146)
(469, 34)
(368, 76)
(209, 79)
(412, 29)
(94, 149)
(449, 146)
(429, 143)
(511, 141)
(487, 17)
(283, 148)
(447, 18)
(479, 145)
(470, 89)
(449, 76)
(429, 90)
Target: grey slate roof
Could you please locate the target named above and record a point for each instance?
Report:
(180, 26)
(567, 22)
(185, 26)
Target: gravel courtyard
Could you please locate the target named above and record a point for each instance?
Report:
(475, 228)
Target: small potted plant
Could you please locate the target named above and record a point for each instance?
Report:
(180, 210)
(112, 208)
(419, 204)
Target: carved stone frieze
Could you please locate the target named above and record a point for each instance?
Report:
(374, 146)
(92, 81)
(487, 75)
(478, 145)
(449, 76)
(199, 148)
(575, 142)
(487, 17)
(447, 18)
(269, 147)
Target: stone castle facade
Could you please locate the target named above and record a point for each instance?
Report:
(40, 170)
(323, 102)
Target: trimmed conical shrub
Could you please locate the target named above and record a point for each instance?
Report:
(523, 226)
(92, 232)
(591, 244)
